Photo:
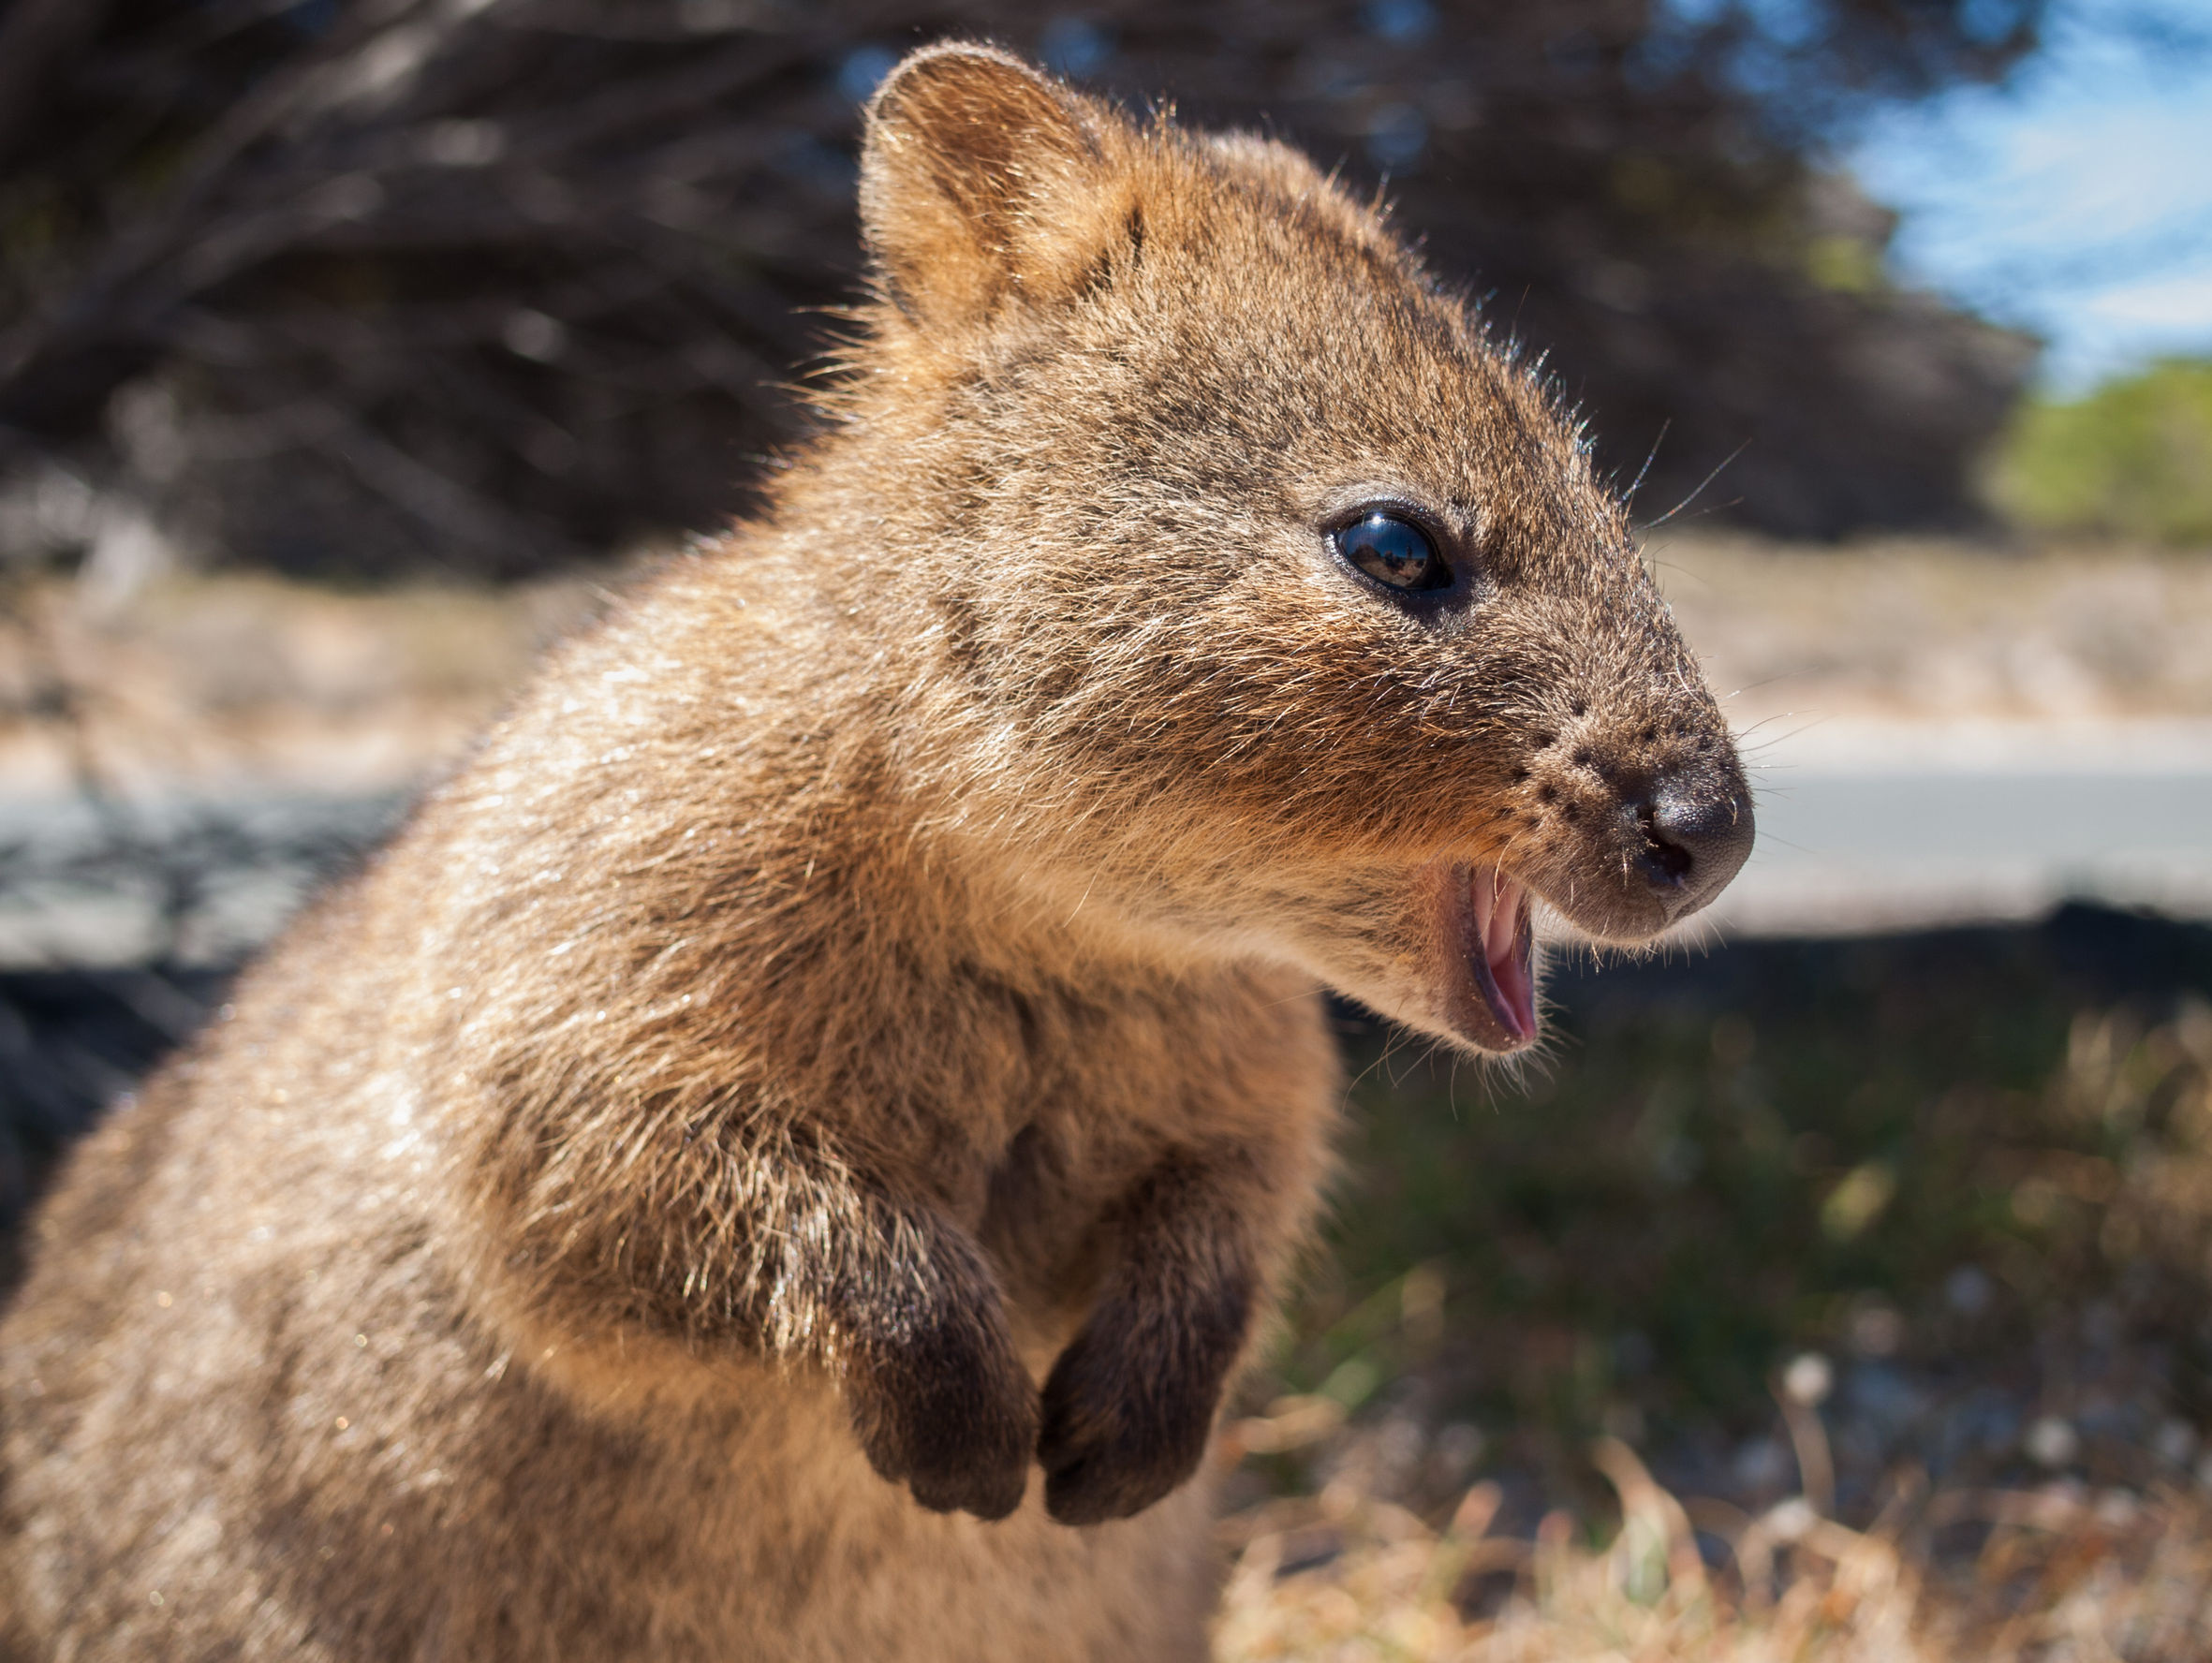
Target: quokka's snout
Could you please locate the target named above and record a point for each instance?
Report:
(1642, 829)
(1619, 850)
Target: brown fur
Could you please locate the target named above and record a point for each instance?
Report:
(780, 1158)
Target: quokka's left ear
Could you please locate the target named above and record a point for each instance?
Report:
(982, 184)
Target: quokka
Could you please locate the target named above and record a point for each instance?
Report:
(782, 1155)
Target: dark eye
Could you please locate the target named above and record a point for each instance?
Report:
(1394, 552)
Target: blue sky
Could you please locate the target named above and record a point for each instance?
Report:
(2076, 200)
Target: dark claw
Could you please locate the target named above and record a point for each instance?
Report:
(952, 1415)
(1126, 1422)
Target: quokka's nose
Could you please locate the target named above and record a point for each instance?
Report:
(1697, 834)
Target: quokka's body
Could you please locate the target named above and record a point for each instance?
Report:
(780, 1158)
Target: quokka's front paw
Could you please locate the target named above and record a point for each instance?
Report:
(1128, 1409)
(949, 1411)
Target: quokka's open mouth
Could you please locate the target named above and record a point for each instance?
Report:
(1491, 995)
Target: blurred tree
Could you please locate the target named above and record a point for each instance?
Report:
(2132, 459)
(361, 285)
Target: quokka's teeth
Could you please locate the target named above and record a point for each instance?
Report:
(1498, 916)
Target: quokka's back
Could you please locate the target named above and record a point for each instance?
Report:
(783, 1155)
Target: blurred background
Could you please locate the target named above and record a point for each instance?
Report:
(1837, 1286)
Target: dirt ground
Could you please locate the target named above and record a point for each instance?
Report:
(244, 683)
(1921, 645)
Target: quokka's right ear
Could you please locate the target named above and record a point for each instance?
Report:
(982, 183)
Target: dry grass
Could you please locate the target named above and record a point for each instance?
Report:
(2051, 1574)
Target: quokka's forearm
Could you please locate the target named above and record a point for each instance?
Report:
(770, 1247)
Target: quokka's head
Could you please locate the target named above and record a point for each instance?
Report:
(1261, 602)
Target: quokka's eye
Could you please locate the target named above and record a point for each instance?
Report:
(1395, 552)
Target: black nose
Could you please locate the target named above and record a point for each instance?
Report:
(1697, 834)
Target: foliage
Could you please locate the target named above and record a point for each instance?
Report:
(2132, 459)
(375, 282)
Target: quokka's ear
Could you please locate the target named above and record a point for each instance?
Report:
(980, 182)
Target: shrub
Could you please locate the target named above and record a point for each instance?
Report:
(2133, 459)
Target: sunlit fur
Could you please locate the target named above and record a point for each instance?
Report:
(883, 952)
